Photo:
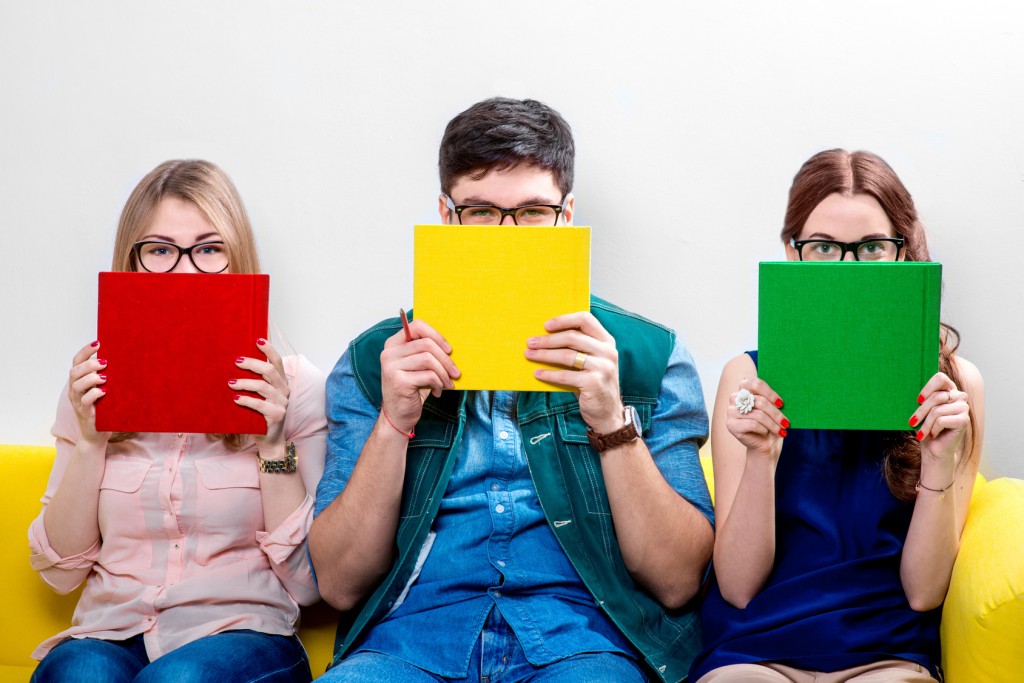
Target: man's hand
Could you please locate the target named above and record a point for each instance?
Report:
(579, 342)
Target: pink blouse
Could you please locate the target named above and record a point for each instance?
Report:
(183, 551)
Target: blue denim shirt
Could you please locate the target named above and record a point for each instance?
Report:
(490, 544)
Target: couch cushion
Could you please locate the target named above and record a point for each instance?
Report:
(32, 611)
(983, 617)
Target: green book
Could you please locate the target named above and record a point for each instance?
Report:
(848, 345)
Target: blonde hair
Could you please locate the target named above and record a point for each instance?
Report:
(206, 187)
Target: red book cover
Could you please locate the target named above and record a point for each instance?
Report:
(170, 341)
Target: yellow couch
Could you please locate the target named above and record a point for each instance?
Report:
(982, 625)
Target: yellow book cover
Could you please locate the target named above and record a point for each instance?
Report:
(487, 289)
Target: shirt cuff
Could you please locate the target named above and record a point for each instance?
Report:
(282, 542)
(44, 556)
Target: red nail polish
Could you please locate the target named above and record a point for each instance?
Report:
(237, 397)
(782, 433)
(239, 359)
(101, 361)
(95, 344)
(913, 420)
(103, 377)
(785, 423)
(778, 403)
(920, 436)
(261, 341)
(103, 390)
(920, 399)
(232, 381)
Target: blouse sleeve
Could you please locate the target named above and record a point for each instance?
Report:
(63, 574)
(306, 426)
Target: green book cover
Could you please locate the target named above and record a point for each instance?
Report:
(848, 345)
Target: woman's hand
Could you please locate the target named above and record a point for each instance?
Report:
(943, 418)
(578, 341)
(762, 429)
(273, 387)
(412, 369)
(85, 387)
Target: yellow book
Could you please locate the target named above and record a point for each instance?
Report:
(487, 289)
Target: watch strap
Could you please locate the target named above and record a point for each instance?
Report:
(624, 435)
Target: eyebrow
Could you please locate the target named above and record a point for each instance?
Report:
(830, 238)
(529, 201)
(170, 240)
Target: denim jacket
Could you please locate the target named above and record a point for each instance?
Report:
(569, 482)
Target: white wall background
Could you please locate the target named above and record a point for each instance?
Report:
(690, 119)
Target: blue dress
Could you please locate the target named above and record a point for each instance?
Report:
(833, 599)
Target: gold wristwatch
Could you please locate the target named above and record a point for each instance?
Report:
(285, 466)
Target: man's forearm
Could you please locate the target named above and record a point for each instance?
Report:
(665, 541)
(352, 542)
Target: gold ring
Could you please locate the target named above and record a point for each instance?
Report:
(580, 361)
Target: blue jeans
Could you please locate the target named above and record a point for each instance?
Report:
(228, 657)
(497, 658)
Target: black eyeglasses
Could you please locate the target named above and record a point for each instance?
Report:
(163, 257)
(877, 249)
(485, 214)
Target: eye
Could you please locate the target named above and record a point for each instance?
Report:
(210, 249)
(156, 249)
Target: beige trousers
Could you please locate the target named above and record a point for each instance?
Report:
(769, 672)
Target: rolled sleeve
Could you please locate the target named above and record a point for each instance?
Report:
(285, 547)
(63, 574)
(679, 427)
(350, 420)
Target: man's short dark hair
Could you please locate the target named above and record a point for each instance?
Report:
(501, 133)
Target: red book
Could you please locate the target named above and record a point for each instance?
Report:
(170, 341)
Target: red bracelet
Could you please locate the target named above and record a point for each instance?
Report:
(409, 434)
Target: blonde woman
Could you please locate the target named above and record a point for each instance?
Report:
(192, 547)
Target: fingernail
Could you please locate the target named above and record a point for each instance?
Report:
(785, 423)
(778, 403)
(103, 390)
(782, 432)
(103, 377)
(237, 397)
(920, 399)
(239, 359)
(920, 436)
(232, 381)
(913, 420)
(95, 344)
(261, 341)
(101, 361)
(531, 342)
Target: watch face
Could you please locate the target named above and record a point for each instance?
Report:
(632, 417)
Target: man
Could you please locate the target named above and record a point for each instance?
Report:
(531, 535)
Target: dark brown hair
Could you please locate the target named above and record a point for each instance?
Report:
(501, 133)
(837, 171)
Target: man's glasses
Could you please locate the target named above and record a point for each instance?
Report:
(484, 214)
(163, 257)
(878, 249)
